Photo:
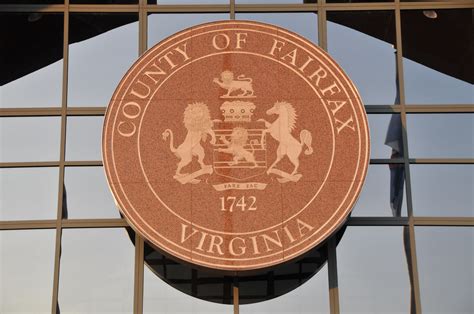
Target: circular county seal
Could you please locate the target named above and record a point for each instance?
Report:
(235, 145)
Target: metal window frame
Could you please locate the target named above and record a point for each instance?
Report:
(321, 8)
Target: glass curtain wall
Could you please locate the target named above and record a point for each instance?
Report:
(408, 246)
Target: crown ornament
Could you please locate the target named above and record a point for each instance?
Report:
(237, 111)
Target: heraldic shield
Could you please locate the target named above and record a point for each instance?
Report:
(240, 150)
(239, 140)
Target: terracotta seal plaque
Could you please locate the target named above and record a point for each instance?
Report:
(235, 145)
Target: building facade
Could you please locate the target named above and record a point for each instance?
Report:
(408, 246)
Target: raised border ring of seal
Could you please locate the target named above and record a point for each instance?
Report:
(235, 145)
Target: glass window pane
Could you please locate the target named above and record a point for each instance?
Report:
(161, 26)
(84, 138)
(31, 68)
(28, 193)
(30, 139)
(32, 1)
(438, 66)
(372, 271)
(188, 2)
(97, 269)
(103, 1)
(160, 297)
(362, 43)
(103, 46)
(441, 136)
(443, 190)
(304, 24)
(311, 297)
(445, 257)
(274, 1)
(357, 1)
(383, 193)
(88, 195)
(26, 267)
(385, 136)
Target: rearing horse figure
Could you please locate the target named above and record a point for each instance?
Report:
(281, 130)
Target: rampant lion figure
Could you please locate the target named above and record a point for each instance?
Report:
(241, 83)
(197, 120)
(235, 146)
